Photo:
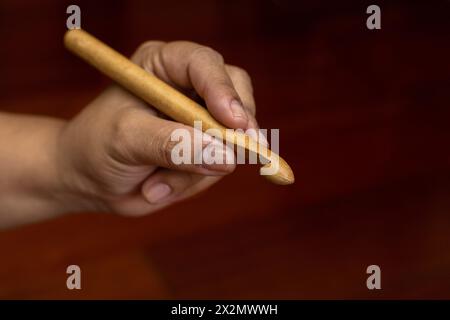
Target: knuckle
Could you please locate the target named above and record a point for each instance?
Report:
(124, 127)
(144, 53)
(164, 145)
(241, 73)
(149, 46)
(204, 52)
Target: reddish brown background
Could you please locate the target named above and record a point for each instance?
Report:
(364, 118)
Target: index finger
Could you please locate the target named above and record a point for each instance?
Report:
(190, 65)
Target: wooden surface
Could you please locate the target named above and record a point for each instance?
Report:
(364, 121)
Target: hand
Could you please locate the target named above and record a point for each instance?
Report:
(115, 155)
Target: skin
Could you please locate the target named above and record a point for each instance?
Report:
(114, 155)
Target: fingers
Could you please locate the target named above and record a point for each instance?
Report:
(138, 138)
(190, 65)
(162, 189)
(243, 85)
(168, 185)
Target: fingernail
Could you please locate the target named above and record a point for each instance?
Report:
(218, 157)
(263, 140)
(158, 192)
(258, 136)
(252, 133)
(206, 139)
(237, 109)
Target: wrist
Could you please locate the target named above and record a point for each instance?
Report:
(70, 184)
(41, 179)
(45, 183)
(29, 186)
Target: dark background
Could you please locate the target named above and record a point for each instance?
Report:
(364, 121)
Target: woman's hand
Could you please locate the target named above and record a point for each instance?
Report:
(115, 155)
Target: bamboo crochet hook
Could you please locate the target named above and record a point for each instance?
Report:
(165, 98)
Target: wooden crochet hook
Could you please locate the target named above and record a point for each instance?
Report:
(165, 98)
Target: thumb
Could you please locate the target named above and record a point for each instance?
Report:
(143, 139)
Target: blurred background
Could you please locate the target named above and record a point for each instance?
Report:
(364, 122)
